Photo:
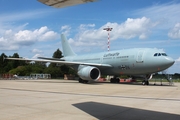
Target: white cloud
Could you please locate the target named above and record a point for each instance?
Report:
(165, 15)
(49, 35)
(131, 28)
(157, 18)
(13, 36)
(13, 40)
(42, 34)
(169, 10)
(175, 32)
(86, 26)
(36, 51)
(66, 29)
(178, 60)
(139, 27)
(24, 37)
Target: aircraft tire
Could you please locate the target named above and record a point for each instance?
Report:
(80, 80)
(143, 82)
(111, 80)
(117, 80)
(83, 81)
(147, 82)
(114, 80)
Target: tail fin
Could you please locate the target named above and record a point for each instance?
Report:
(67, 50)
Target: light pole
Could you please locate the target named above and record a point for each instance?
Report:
(108, 29)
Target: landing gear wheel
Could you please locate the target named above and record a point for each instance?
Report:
(80, 80)
(83, 81)
(117, 80)
(111, 80)
(114, 80)
(145, 82)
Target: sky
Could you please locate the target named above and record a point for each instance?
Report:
(32, 29)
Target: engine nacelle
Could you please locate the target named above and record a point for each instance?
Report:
(89, 73)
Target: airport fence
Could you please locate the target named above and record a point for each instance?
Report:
(31, 77)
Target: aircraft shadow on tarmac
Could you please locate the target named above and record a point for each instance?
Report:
(103, 111)
(131, 83)
(49, 81)
(91, 83)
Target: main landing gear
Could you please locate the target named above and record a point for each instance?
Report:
(114, 80)
(83, 81)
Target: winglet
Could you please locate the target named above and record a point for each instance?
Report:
(67, 50)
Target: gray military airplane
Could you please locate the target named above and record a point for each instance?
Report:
(135, 62)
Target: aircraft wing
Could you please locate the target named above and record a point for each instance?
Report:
(63, 3)
(51, 58)
(60, 62)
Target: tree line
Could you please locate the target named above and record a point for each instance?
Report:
(23, 68)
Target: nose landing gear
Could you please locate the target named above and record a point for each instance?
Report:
(145, 82)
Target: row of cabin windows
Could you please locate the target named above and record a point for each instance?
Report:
(160, 54)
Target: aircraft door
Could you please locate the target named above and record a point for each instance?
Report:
(140, 56)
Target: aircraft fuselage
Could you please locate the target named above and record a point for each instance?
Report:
(134, 61)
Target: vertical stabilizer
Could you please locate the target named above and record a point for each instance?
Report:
(67, 50)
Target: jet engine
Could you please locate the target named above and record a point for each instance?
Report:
(89, 73)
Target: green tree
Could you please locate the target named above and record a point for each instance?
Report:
(57, 54)
(16, 63)
(176, 75)
(21, 71)
(22, 68)
(64, 69)
(3, 63)
(28, 69)
(38, 67)
(54, 71)
(53, 68)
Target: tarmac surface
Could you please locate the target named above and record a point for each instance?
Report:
(70, 100)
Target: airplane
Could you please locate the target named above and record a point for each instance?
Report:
(134, 62)
(64, 3)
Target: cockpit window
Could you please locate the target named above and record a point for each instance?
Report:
(164, 54)
(160, 54)
(155, 54)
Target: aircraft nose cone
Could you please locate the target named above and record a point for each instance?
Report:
(169, 61)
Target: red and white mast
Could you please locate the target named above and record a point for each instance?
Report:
(108, 29)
